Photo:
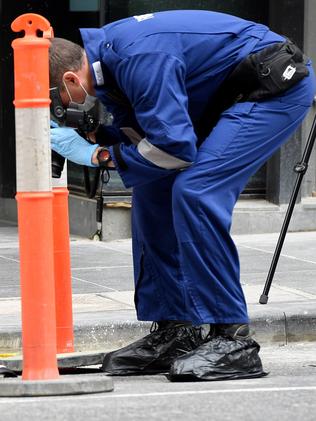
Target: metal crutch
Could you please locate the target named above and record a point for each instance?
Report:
(300, 168)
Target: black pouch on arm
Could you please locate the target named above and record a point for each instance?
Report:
(269, 72)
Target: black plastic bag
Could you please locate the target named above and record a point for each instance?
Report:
(6, 372)
(221, 358)
(154, 353)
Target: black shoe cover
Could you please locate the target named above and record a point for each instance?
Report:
(6, 372)
(155, 352)
(222, 358)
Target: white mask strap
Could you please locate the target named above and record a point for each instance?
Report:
(83, 88)
(67, 90)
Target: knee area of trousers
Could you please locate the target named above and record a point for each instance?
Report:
(184, 191)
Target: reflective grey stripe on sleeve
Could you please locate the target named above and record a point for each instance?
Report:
(133, 136)
(160, 158)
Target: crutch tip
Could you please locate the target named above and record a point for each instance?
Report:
(263, 299)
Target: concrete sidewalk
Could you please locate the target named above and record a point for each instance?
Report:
(104, 316)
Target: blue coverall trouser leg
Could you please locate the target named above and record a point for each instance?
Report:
(185, 261)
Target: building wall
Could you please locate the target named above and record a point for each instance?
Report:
(309, 181)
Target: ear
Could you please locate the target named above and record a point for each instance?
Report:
(71, 78)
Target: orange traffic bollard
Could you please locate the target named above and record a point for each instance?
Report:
(35, 198)
(63, 291)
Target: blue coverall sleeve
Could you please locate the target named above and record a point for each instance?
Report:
(155, 86)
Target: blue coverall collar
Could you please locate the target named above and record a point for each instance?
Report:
(93, 41)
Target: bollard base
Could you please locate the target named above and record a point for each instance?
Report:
(68, 360)
(65, 385)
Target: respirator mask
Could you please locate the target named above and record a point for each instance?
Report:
(84, 117)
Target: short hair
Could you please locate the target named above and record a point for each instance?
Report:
(64, 56)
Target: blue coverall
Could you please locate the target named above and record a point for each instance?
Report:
(156, 73)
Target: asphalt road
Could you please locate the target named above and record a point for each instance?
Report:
(288, 393)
